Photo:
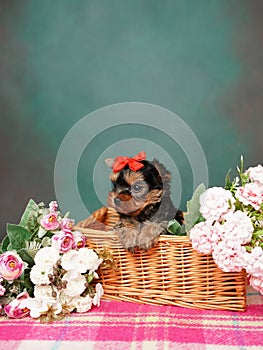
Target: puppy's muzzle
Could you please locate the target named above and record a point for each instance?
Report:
(122, 197)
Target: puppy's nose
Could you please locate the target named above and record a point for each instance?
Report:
(117, 201)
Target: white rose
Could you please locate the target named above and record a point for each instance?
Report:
(47, 256)
(44, 293)
(82, 304)
(39, 274)
(37, 307)
(76, 283)
(81, 260)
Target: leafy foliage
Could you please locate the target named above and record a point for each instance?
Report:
(193, 216)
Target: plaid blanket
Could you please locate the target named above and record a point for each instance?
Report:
(130, 326)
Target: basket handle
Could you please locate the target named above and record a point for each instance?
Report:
(97, 215)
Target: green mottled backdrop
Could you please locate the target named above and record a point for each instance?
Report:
(60, 60)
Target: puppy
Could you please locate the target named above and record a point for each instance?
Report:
(141, 196)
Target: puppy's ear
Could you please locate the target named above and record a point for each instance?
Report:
(165, 174)
(109, 162)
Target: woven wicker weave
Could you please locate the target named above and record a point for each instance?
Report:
(171, 273)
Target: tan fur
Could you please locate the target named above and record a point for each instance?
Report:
(131, 177)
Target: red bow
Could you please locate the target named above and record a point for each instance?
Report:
(133, 163)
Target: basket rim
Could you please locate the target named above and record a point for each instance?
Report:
(110, 234)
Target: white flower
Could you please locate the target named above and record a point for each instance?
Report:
(254, 262)
(92, 259)
(38, 308)
(238, 227)
(99, 293)
(44, 293)
(228, 255)
(214, 203)
(204, 236)
(66, 301)
(47, 256)
(251, 194)
(76, 283)
(53, 206)
(256, 174)
(257, 283)
(81, 260)
(82, 304)
(39, 274)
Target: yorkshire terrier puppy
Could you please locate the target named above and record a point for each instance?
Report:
(141, 196)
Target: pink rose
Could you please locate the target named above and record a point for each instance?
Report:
(17, 308)
(79, 240)
(63, 241)
(67, 224)
(50, 222)
(11, 266)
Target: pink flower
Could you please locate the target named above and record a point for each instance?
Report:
(53, 206)
(228, 255)
(79, 240)
(257, 283)
(251, 194)
(67, 224)
(62, 241)
(204, 236)
(253, 262)
(214, 203)
(50, 222)
(238, 227)
(256, 174)
(11, 265)
(17, 308)
(2, 290)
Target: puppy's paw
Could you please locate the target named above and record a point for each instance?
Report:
(127, 237)
(149, 234)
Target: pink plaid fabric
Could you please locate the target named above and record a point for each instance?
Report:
(130, 326)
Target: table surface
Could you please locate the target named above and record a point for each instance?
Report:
(131, 326)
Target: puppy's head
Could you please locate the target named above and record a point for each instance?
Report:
(136, 187)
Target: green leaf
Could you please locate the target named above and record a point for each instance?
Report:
(90, 278)
(30, 208)
(228, 182)
(193, 209)
(175, 228)
(46, 242)
(27, 282)
(4, 244)
(18, 236)
(23, 253)
(41, 232)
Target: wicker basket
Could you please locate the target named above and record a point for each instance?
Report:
(171, 273)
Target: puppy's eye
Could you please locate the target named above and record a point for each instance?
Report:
(137, 188)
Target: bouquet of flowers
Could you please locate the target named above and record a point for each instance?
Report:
(46, 269)
(228, 222)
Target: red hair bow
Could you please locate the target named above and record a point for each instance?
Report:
(134, 163)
